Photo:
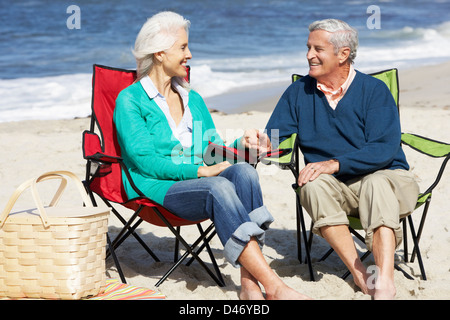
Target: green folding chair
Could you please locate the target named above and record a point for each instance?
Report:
(424, 145)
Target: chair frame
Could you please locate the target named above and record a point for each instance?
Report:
(99, 160)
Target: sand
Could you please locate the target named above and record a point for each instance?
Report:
(29, 148)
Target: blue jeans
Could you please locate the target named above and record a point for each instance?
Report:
(233, 201)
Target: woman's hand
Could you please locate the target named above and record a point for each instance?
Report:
(255, 140)
(214, 170)
(312, 170)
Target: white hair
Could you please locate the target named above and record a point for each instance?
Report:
(158, 33)
(342, 35)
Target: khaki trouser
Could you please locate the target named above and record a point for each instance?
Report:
(379, 199)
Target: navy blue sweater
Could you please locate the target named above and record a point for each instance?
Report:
(363, 132)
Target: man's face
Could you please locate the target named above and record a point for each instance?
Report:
(322, 60)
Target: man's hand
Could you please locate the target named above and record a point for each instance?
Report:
(312, 170)
(256, 140)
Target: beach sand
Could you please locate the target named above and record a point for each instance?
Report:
(29, 148)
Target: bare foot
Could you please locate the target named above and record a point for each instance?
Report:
(361, 280)
(250, 289)
(384, 290)
(286, 293)
(379, 290)
(247, 294)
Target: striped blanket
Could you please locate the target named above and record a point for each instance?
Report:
(115, 290)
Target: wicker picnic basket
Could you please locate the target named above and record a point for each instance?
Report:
(54, 252)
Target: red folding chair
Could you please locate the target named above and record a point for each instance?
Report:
(104, 171)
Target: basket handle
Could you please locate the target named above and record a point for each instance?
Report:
(31, 183)
(86, 199)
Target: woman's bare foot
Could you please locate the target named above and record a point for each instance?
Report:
(286, 293)
(247, 294)
(250, 289)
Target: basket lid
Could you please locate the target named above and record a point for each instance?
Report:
(56, 214)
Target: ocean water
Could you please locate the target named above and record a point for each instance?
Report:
(47, 48)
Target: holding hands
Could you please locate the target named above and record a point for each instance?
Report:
(255, 140)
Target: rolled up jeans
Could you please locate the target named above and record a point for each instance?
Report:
(233, 201)
(379, 199)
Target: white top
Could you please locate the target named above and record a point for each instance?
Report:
(183, 132)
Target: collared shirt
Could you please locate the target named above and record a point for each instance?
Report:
(334, 97)
(183, 132)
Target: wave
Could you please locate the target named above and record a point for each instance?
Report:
(69, 96)
(46, 98)
(407, 47)
(211, 78)
(410, 33)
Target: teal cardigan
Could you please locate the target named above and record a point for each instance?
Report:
(154, 157)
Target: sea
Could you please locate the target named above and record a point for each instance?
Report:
(48, 47)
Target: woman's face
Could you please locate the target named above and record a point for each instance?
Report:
(175, 59)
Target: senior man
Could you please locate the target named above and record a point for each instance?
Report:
(349, 133)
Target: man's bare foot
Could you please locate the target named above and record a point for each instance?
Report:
(384, 290)
(360, 278)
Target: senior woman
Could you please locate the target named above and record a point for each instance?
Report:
(164, 128)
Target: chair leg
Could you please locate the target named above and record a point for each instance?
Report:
(422, 222)
(129, 229)
(218, 281)
(111, 247)
(299, 237)
(116, 261)
(311, 235)
(189, 250)
(326, 255)
(406, 274)
(405, 241)
(209, 250)
(416, 247)
(177, 246)
(357, 235)
(301, 229)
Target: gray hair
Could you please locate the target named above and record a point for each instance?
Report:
(342, 35)
(159, 33)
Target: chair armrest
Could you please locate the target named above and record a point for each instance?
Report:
(287, 158)
(229, 153)
(432, 148)
(92, 149)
